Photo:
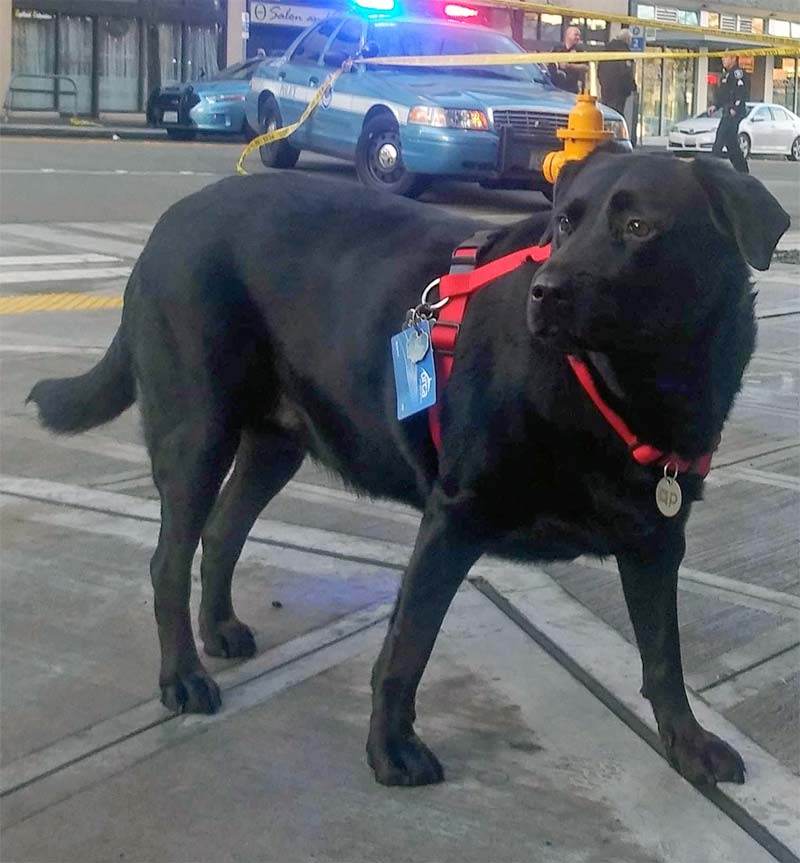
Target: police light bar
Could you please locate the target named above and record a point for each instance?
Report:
(375, 5)
(454, 10)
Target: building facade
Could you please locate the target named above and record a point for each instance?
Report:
(116, 51)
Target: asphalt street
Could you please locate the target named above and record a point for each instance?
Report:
(532, 695)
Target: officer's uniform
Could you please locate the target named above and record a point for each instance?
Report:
(732, 103)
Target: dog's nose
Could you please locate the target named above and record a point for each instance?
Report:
(546, 285)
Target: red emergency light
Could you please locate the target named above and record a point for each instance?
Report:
(455, 10)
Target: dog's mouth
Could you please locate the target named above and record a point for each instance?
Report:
(550, 326)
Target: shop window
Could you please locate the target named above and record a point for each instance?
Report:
(170, 51)
(118, 72)
(75, 59)
(785, 81)
(779, 28)
(551, 29)
(33, 51)
(200, 52)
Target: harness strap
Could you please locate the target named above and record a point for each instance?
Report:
(642, 453)
(457, 287)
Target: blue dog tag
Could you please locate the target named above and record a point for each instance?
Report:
(415, 382)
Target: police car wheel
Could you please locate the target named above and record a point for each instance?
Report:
(794, 152)
(744, 144)
(280, 154)
(379, 161)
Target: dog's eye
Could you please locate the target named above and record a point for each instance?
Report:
(638, 228)
(564, 224)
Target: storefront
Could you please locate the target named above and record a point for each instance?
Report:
(672, 89)
(115, 51)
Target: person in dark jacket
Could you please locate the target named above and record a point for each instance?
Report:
(731, 100)
(617, 80)
(569, 76)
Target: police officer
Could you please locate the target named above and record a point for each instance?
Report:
(731, 100)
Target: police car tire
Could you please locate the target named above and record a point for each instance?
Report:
(407, 184)
(744, 144)
(281, 154)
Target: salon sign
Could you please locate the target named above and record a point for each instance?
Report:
(287, 15)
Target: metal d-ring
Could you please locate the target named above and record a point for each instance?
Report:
(424, 299)
(674, 476)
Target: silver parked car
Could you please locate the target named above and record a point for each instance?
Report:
(766, 130)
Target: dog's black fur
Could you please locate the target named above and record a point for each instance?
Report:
(256, 327)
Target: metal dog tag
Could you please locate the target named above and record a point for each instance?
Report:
(668, 496)
(418, 344)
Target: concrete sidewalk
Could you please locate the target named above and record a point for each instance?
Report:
(538, 769)
(541, 766)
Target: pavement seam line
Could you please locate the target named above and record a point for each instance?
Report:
(757, 664)
(730, 807)
(355, 622)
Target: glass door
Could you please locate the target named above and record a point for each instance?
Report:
(33, 51)
(75, 59)
(118, 75)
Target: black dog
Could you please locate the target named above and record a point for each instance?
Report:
(256, 327)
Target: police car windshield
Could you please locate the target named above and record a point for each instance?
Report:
(416, 39)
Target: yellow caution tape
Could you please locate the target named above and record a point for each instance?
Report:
(58, 302)
(567, 12)
(563, 57)
(285, 131)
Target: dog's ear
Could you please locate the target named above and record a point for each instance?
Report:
(742, 208)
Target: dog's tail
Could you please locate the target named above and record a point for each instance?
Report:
(71, 405)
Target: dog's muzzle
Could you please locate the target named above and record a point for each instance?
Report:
(548, 305)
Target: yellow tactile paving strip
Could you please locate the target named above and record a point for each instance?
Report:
(58, 302)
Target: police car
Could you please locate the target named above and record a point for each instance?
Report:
(403, 125)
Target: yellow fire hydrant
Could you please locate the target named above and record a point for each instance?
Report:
(584, 132)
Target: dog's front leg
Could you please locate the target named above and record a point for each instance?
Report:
(441, 560)
(650, 584)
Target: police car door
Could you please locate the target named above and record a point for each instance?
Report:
(337, 123)
(299, 78)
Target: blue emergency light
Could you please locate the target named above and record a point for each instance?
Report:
(374, 5)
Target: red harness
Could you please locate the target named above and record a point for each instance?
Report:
(463, 280)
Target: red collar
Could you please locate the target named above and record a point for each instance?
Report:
(463, 280)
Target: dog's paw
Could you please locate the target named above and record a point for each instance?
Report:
(228, 638)
(703, 758)
(193, 692)
(403, 761)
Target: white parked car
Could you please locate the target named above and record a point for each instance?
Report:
(766, 130)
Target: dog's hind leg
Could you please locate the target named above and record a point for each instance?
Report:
(650, 585)
(265, 462)
(190, 461)
(442, 557)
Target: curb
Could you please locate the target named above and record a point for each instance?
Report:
(103, 133)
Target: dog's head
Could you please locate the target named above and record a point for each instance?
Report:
(646, 248)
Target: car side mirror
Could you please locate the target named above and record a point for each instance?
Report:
(370, 50)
